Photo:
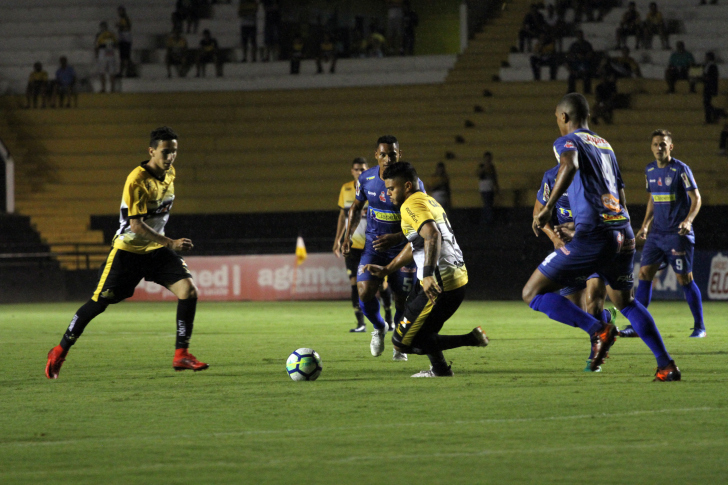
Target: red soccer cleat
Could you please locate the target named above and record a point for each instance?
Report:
(56, 357)
(604, 340)
(668, 373)
(183, 360)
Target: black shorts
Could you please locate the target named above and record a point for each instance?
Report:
(423, 318)
(352, 262)
(123, 271)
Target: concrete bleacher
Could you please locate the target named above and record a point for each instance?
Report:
(701, 28)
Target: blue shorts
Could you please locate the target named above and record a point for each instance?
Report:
(674, 249)
(570, 290)
(400, 281)
(609, 254)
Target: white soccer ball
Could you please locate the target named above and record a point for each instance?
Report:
(304, 365)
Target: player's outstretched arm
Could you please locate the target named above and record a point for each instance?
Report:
(404, 258)
(386, 241)
(354, 218)
(647, 222)
(140, 228)
(695, 202)
(433, 243)
(340, 225)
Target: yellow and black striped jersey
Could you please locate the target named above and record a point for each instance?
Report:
(346, 198)
(146, 197)
(418, 209)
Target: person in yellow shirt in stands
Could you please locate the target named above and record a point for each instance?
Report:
(176, 53)
(37, 87)
(441, 274)
(105, 47)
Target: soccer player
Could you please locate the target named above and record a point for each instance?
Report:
(384, 241)
(441, 274)
(346, 199)
(588, 295)
(603, 242)
(141, 250)
(668, 227)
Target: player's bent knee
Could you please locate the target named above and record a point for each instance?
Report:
(684, 279)
(367, 290)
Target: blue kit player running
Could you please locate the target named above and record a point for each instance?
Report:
(668, 226)
(588, 295)
(384, 241)
(603, 242)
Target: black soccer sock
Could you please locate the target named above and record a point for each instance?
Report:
(354, 297)
(88, 311)
(386, 297)
(359, 318)
(439, 364)
(447, 342)
(185, 322)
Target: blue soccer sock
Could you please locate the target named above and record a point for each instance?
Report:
(562, 310)
(644, 325)
(695, 302)
(371, 311)
(606, 316)
(644, 293)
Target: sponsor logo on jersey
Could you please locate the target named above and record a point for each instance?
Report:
(568, 144)
(383, 197)
(650, 169)
(564, 250)
(546, 192)
(385, 216)
(678, 253)
(412, 215)
(668, 181)
(360, 269)
(358, 188)
(628, 278)
(663, 197)
(659, 181)
(613, 218)
(652, 180)
(371, 193)
(686, 180)
(610, 202)
(565, 212)
(370, 178)
(597, 141)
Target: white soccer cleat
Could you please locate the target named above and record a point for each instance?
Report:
(430, 373)
(397, 355)
(377, 345)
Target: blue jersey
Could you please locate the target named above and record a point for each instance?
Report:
(382, 217)
(594, 193)
(669, 188)
(562, 214)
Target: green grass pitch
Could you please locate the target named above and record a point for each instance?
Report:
(519, 411)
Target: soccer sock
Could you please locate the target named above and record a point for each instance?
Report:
(359, 318)
(644, 293)
(695, 302)
(354, 297)
(398, 315)
(447, 342)
(606, 316)
(644, 325)
(88, 311)
(439, 364)
(371, 311)
(386, 297)
(562, 310)
(185, 322)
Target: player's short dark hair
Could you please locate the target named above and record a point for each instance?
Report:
(163, 133)
(387, 139)
(661, 132)
(575, 106)
(359, 160)
(401, 170)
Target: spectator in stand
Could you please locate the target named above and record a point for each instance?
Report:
(533, 25)
(606, 96)
(208, 52)
(105, 49)
(176, 53)
(272, 29)
(64, 87)
(487, 186)
(123, 27)
(410, 20)
(296, 54)
(260, 18)
(376, 44)
(625, 66)
(439, 186)
(544, 54)
(327, 53)
(710, 89)
(395, 16)
(555, 26)
(678, 68)
(629, 25)
(579, 62)
(655, 24)
(247, 11)
(37, 87)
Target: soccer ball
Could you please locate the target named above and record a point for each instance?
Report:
(304, 365)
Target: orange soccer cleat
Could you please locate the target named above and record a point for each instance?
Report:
(183, 360)
(668, 373)
(56, 357)
(604, 340)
